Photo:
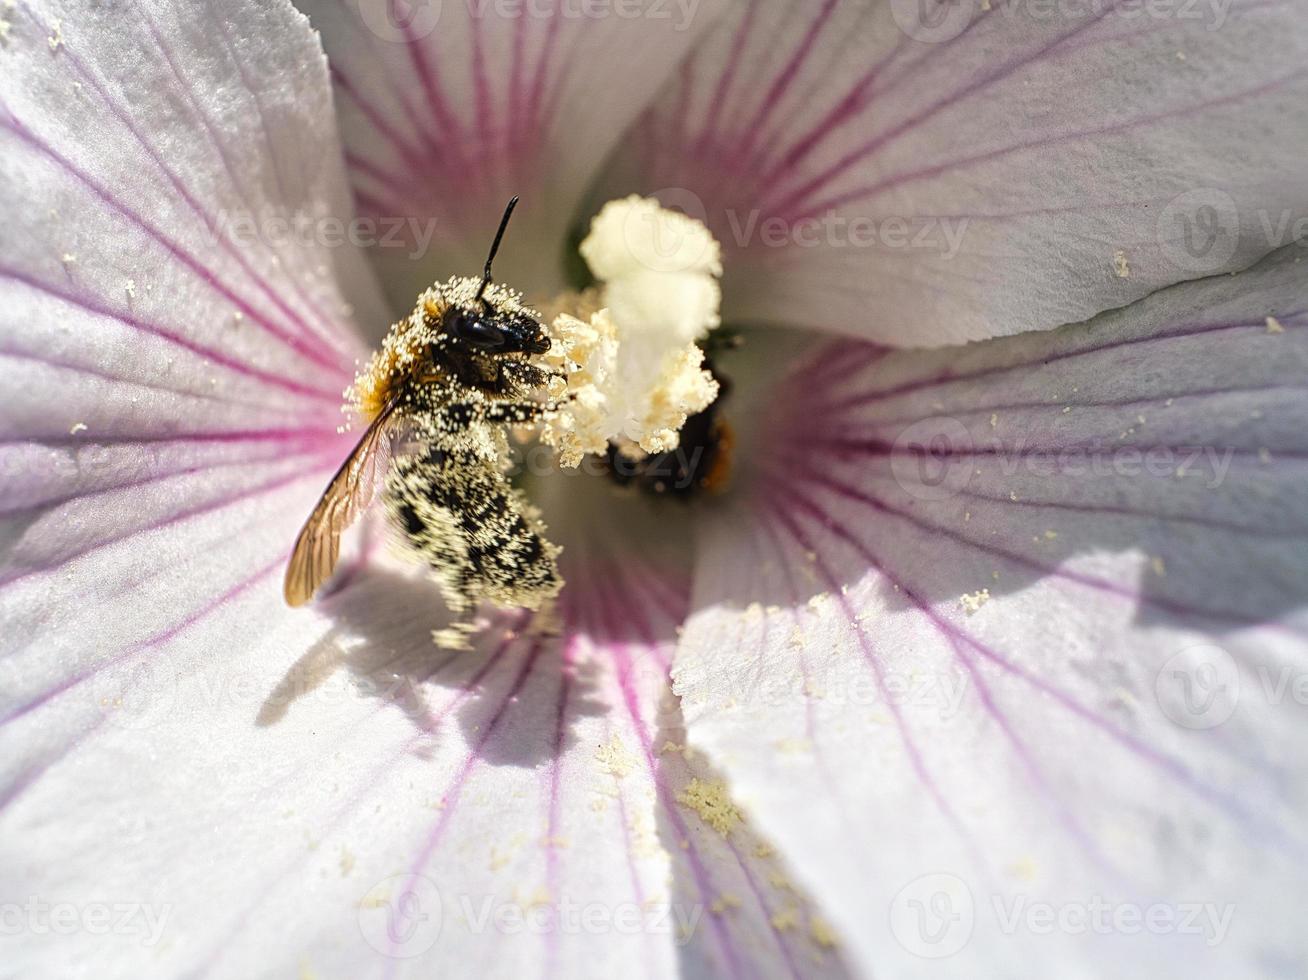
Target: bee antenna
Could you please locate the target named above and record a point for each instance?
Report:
(495, 247)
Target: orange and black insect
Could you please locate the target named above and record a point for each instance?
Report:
(438, 398)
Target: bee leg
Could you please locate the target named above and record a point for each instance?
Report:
(515, 377)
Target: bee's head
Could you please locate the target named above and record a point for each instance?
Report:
(487, 330)
(482, 326)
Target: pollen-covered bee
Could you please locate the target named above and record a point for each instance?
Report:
(438, 397)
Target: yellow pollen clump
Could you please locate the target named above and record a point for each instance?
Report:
(615, 758)
(724, 903)
(821, 932)
(712, 803)
(785, 919)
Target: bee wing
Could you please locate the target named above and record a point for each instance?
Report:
(346, 497)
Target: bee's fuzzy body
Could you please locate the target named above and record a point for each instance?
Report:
(437, 398)
(457, 510)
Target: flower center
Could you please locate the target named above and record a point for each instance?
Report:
(615, 373)
(634, 353)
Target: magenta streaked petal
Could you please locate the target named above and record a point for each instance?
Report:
(531, 779)
(159, 223)
(149, 294)
(1029, 611)
(449, 109)
(997, 168)
(171, 389)
(161, 364)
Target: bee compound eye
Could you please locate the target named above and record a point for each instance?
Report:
(478, 331)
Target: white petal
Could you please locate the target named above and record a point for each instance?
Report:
(1001, 166)
(450, 108)
(168, 370)
(329, 792)
(172, 386)
(1022, 625)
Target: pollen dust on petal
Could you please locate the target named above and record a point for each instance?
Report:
(724, 903)
(710, 800)
(785, 920)
(821, 932)
(615, 758)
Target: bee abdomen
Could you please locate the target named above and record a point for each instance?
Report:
(479, 534)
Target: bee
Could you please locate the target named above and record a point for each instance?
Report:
(439, 395)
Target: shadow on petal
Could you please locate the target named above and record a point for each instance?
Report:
(382, 629)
